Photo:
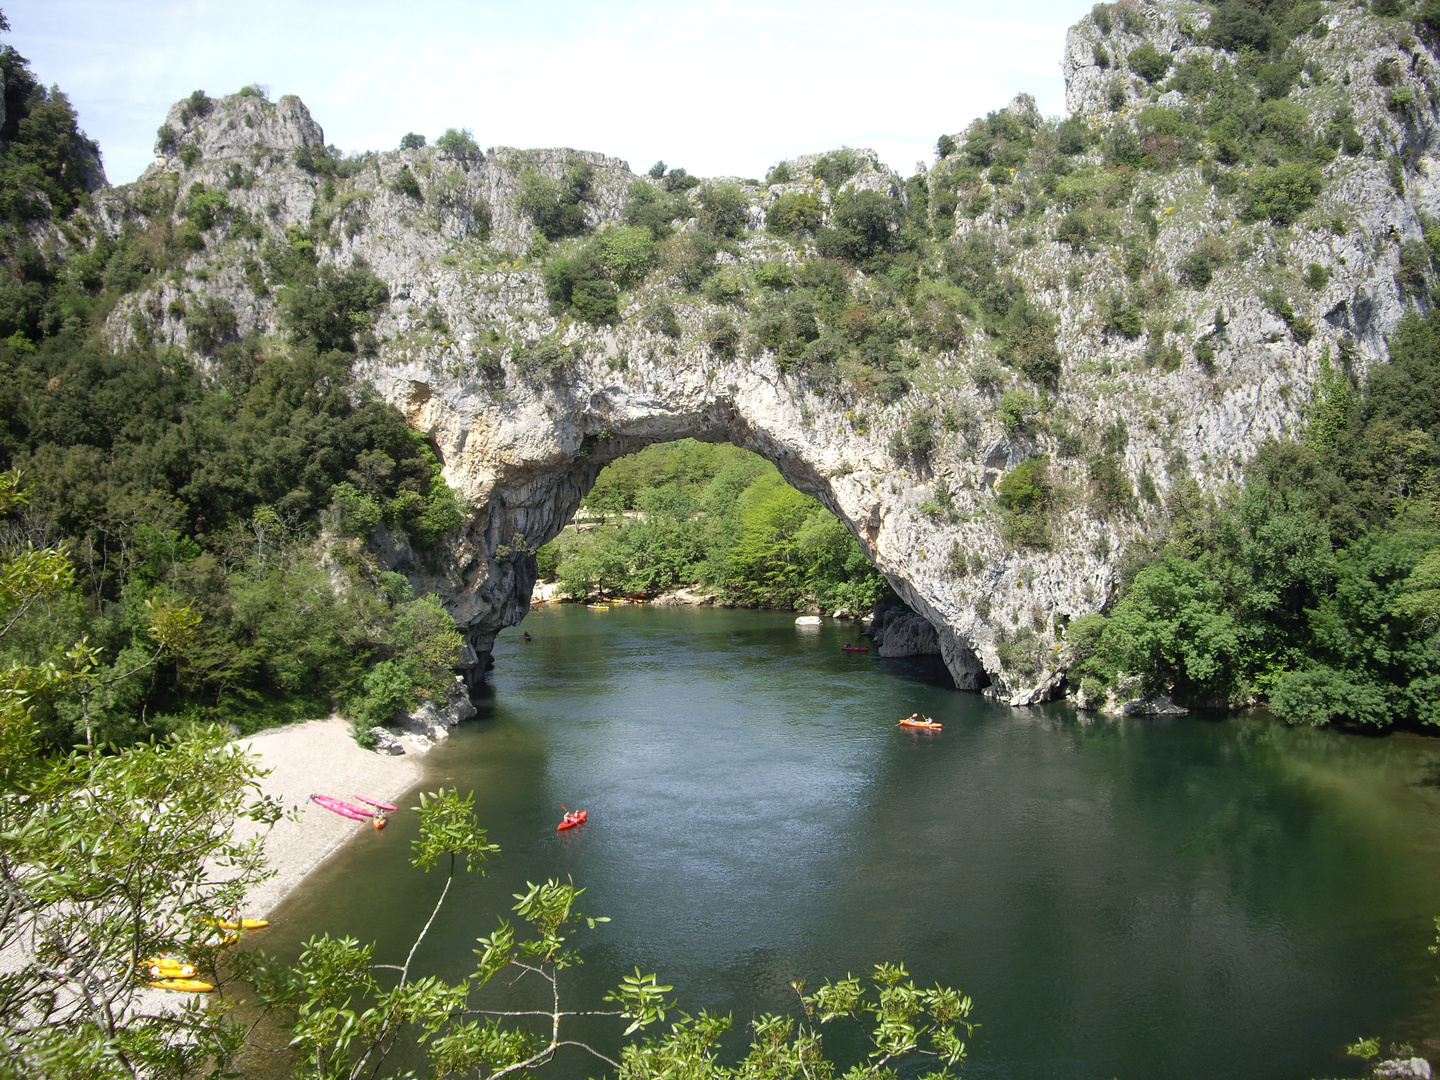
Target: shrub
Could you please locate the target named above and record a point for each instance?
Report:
(1148, 62)
(1108, 490)
(723, 336)
(726, 287)
(406, 184)
(723, 209)
(556, 207)
(196, 106)
(794, 213)
(678, 180)
(208, 323)
(944, 146)
(1195, 270)
(1238, 25)
(916, 440)
(1072, 136)
(1282, 193)
(1101, 14)
(205, 208)
(625, 253)
(1316, 276)
(1100, 56)
(779, 173)
(862, 226)
(836, 167)
(412, 141)
(460, 145)
(1025, 495)
(1017, 411)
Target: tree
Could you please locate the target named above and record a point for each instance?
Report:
(109, 858)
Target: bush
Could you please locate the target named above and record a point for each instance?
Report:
(1024, 496)
(460, 145)
(412, 141)
(916, 440)
(723, 336)
(625, 254)
(406, 184)
(723, 209)
(208, 323)
(1100, 56)
(794, 213)
(836, 167)
(944, 146)
(1282, 193)
(556, 207)
(1017, 411)
(1148, 62)
(1238, 25)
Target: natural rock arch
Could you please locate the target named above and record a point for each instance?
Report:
(527, 493)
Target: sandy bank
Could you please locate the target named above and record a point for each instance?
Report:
(318, 757)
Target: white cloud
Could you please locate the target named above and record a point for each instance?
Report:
(721, 88)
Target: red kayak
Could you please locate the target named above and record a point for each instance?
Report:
(344, 809)
(571, 818)
(854, 648)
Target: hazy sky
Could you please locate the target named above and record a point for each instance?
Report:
(722, 88)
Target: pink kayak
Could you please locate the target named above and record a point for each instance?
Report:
(378, 805)
(344, 809)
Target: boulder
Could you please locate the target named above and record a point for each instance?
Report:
(1159, 705)
(386, 742)
(808, 620)
(1414, 1068)
(428, 721)
(458, 706)
(909, 635)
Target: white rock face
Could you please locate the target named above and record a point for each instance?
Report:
(524, 439)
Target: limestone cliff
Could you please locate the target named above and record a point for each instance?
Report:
(525, 404)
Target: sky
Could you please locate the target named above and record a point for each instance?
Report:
(725, 88)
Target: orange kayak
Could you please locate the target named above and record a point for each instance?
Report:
(915, 722)
(854, 648)
(571, 819)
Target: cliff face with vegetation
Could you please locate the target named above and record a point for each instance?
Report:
(997, 374)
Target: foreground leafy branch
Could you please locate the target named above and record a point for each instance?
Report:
(349, 1017)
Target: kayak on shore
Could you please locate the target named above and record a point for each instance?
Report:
(343, 808)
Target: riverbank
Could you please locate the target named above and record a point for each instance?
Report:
(317, 757)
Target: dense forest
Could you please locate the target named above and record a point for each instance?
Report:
(1316, 585)
(240, 492)
(717, 517)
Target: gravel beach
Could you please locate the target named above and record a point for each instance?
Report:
(318, 757)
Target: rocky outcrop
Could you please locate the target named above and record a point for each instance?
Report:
(433, 720)
(1414, 1068)
(526, 406)
(386, 742)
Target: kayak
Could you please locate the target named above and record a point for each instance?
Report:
(344, 809)
(243, 924)
(915, 722)
(571, 819)
(167, 967)
(378, 805)
(188, 986)
(854, 648)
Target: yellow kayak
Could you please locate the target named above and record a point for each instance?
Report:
(243, 924)
(187, 986)
(167, 967)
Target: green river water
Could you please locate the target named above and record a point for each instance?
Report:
(1123, 898)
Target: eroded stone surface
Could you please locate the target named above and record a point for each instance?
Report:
(524, 441)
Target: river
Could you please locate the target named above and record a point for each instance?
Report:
(1193, 897)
